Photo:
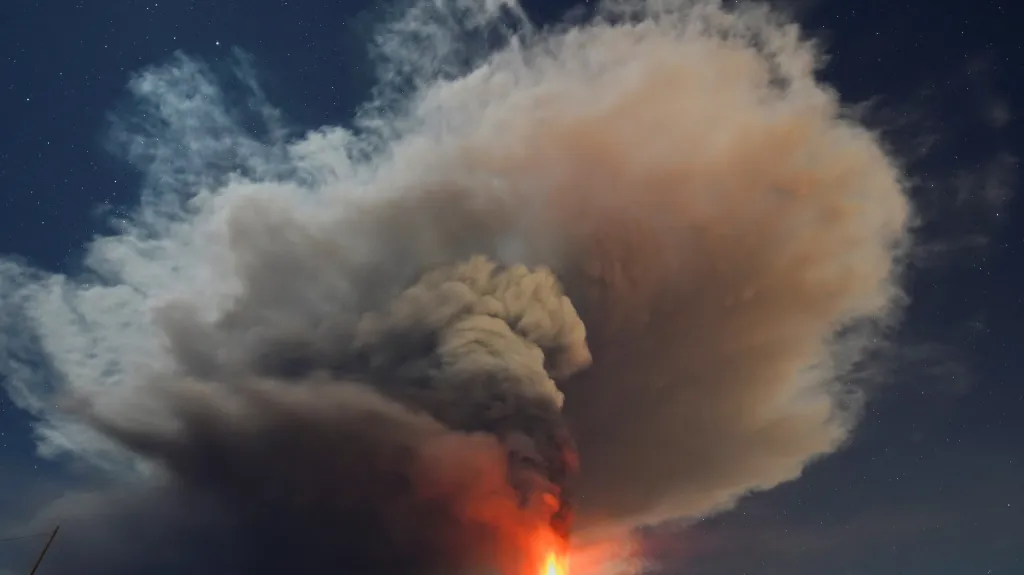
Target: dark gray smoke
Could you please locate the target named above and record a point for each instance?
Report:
(424, 437)
(365, 351)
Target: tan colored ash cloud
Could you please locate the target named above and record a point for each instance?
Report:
(731, 241)
(727, 241)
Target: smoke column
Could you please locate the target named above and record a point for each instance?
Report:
(600, 275)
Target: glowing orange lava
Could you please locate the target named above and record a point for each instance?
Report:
(554, 565)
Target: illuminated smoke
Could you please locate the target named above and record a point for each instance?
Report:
(729, 238)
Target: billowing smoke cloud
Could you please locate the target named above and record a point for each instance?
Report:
(652, 246)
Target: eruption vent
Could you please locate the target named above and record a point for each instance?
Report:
(554, 565)
(620, 272)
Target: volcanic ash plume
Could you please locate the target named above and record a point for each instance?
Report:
(431, 442)
(622, 271)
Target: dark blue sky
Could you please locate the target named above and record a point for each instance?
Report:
(933, 482)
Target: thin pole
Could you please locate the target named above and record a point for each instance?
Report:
(45, 549)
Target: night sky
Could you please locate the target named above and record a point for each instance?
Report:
(933, 480)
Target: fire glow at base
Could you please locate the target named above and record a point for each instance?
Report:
(554, 564)
(588, 553)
